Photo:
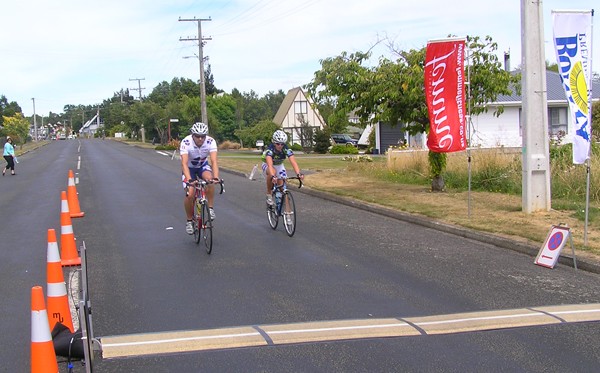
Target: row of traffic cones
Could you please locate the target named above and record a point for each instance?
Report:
(44, 320)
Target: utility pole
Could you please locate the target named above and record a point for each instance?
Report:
(536, 164)
(139, 88)
(200, 40)
(34, 121)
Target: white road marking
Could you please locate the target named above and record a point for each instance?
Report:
(280, 334)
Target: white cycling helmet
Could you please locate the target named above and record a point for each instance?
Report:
(199, 128)
(279, 136)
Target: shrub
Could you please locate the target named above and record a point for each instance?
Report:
(296, 147)
(322, 141)
(343, 149)
(358, 159)
(171, 145)
(165, 147)
(229, 145)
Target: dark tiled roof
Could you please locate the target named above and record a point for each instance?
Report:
(555, 90)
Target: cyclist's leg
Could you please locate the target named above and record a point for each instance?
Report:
(281, 173)
(188, 199)
(267, 178)
(190, 192)
(210, 190)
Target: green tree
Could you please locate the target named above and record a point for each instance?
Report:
(144, 113)
(263, 130)
(322, 141)
(251, 109)
(222, 109)
(272, 102)
(393, 92)
(16, 127)
(209, 83)
(8, 109)
(165, 92)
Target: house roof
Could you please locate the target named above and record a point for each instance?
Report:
(287, 102)
(554, 89)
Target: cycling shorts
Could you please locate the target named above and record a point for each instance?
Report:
(196, 173)
(279, 170)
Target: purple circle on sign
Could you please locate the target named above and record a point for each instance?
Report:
(555, 240)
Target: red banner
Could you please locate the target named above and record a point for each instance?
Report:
(445, 95)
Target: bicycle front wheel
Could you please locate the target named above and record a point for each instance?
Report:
(288, 209)
(206, 230)
(272, 214)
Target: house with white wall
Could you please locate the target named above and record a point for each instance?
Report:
(488, 131)
(506, 130)
(297, 115)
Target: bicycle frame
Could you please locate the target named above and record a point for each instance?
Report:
(202, 222)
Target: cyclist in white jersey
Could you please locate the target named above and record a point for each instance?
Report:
(198, 159)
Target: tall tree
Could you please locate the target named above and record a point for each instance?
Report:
(222, 109)
(8, 109)
(17, 128)
(178, 88)
(209, 83)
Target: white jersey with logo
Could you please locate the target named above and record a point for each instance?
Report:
(197, 155)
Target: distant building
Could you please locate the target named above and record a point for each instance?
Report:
(298, 117)
(488, 131)
(90, 127)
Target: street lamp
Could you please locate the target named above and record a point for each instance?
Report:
(172, 120)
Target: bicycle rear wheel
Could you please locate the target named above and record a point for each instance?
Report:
(288, 209)
(206, 229)
(272, 214)
(197, 220)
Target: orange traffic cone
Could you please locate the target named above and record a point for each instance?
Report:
(58, 303)
(72, 198)
(43, 357)
(69, 254)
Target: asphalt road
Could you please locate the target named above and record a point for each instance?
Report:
(345, 270)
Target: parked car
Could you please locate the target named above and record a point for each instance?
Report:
(344, 139)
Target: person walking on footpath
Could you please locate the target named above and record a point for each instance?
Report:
(9, 156)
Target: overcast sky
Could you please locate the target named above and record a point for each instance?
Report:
(82, 52)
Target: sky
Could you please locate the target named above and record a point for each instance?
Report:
(71, 52)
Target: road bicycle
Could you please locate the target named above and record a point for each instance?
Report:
(284, 206)
(201, 221)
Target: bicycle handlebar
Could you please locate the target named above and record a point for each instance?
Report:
(294, 177)
(297, 178)
(204, 183)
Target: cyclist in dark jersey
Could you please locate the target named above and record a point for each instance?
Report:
(273, 157)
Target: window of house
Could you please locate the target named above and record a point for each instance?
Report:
(300, 107)
(557, 120)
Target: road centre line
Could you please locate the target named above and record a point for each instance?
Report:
(337, 330)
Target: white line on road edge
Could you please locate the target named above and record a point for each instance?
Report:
(280, 334)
